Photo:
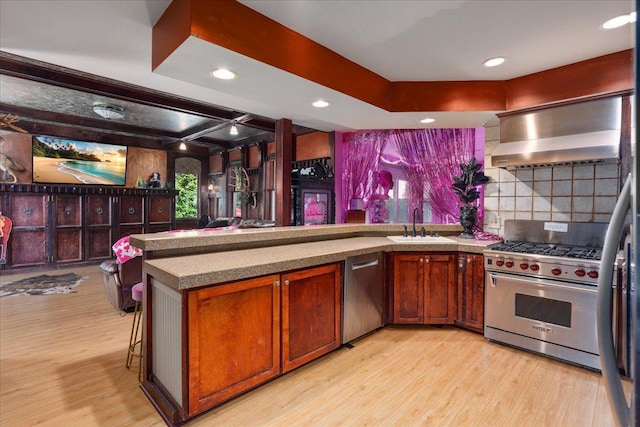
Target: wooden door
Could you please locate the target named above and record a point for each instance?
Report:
(408, 289)
(439, 294)
(310, 314)
(233, 340)
(471, 291)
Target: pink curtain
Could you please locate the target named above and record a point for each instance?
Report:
(361, 159)
(429, 158)
(433, 156)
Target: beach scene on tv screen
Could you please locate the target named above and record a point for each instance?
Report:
(65, 161)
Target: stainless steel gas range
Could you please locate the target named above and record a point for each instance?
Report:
(541, 287)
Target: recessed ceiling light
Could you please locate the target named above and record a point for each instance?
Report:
(619, 21)
(494, 62)
(320, 104)
(427, 120)
(223, 74)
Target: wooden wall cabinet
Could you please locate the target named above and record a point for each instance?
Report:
(424, 288)
(28, 243)
(470, 290)
(63, 225)
(67, 229)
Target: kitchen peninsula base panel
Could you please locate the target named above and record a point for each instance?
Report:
(210, 344)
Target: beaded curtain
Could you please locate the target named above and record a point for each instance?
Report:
(429, 158)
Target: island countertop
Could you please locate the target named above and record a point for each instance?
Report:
(202, 269)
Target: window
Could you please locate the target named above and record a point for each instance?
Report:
(398, 204)
(187, 183)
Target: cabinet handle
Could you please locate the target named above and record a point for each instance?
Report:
(421, 259)
(160, 210)
(27, 211)
(286, 283)
(469, 260)
(277, 283)
(67, 210)
(132, 210)
(99, 211)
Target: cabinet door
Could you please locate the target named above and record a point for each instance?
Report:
(68, 228)
(28, 243)
(160, 209)
(471, 291)
(310, 314)
(233, 340)
(408, 289)
(132, 210)
(439, 301)
(99, 228)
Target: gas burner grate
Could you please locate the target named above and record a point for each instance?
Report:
(548, 250)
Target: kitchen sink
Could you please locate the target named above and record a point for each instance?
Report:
(420, 239)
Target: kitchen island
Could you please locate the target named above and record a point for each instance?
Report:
(226, 311)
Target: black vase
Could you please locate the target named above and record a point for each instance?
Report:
(468, 220)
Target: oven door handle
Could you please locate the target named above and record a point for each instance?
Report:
(608, 360)
(548, 283)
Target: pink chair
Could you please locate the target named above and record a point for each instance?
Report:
(135, 339)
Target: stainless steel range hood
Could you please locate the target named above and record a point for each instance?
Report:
(582, 133)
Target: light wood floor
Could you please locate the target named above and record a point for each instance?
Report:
(62, 364)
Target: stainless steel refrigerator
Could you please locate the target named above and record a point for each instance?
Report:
(625, 413)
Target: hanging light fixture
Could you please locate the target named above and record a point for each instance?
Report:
(109, 112)
(183, 146)
(234, 129)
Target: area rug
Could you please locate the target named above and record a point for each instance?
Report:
(42, 285)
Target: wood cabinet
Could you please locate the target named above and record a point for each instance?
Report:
(28, 242)
(99, 227)
(310, 314)
(234, 340)
(244, 333)
(63, 225)
(470, 292)
(424, 288)
(67, 228)
(160, 212)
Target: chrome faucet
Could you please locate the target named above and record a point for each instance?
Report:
(413, 231)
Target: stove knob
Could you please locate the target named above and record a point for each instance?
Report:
(509, 264)
(535, 267)
(556, 271)
(580, 272)
(499, 263)
(593, 274)
(524, 266)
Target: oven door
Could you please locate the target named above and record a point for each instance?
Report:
(545, 310)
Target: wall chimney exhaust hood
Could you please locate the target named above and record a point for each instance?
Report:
(581, 133)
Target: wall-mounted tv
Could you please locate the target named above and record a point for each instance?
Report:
(65, 161)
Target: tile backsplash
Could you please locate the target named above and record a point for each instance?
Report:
(582, 193)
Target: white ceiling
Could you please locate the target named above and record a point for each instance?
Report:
(399, 40)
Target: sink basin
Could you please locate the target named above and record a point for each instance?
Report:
(420, 239)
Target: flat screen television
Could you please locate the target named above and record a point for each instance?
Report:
(65, 161)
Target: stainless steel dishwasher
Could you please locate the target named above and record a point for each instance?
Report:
(362, 304)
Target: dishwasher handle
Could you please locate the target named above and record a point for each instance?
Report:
(365, 264)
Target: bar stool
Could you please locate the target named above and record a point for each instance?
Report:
(136, 333)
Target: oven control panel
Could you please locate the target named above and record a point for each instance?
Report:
(548, 267)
